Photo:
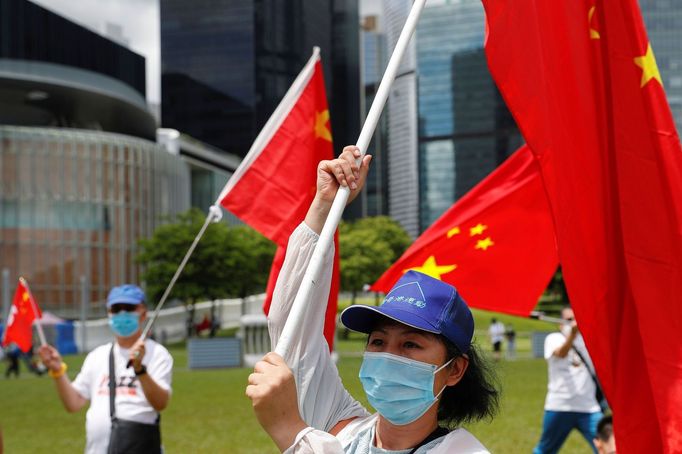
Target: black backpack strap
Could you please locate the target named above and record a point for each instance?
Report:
(437, 433)
(112, 384)
(589, 370)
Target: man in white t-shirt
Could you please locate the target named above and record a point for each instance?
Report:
(496, 333)
(142, 390)
(570, 402)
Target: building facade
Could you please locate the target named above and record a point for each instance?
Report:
(373, 57)
(465, 129)
(73, 205)
(82, 178)
(226, 64)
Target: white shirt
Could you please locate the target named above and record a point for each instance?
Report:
(323, 400)
(570, 386)
(358, 437)
(92, 383)
(496, 332)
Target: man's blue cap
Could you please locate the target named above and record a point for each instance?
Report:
(422, 302)
(125, 294)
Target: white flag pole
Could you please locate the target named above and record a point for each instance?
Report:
(546, 318)
(326, 237)
(38, 317)
(214, 215)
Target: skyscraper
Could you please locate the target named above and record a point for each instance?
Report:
(226, 64)
(447, 124)
(465, 130)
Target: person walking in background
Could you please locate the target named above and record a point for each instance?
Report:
(510, 335)
(12, 355)
(125, 402)
(571, 401)
(496, 333)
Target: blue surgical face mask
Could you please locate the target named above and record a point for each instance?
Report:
(399, 388)
(124, 324)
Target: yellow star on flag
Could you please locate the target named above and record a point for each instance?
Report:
(484, 244)
(649, 67)
(453, 231)
(23, 307)
(594, 34)
(477, 230)
(321, 130)
(431, 268)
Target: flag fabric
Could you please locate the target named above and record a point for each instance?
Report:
(495, 245)
(23, 312)
(274, 185)
(582, 82)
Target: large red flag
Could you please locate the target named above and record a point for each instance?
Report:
(582, 82)
(275, 184)
(496, 244)
(24, 311)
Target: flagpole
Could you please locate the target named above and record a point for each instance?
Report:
(214, 215)
(312, 274)
(38, 317)
(545, 318)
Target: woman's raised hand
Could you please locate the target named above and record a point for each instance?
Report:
(342, 171)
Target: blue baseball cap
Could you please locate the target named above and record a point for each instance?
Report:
(422, 302)
(125, 294)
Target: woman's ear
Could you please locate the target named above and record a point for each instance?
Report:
(457, 368)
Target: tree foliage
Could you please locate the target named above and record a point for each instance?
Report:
(367, 248)
(227, 262)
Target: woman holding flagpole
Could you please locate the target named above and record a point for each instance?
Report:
(420, 370)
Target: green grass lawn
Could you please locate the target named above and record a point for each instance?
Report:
(210, 414)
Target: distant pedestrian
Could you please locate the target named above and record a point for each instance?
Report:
(12, 355)
(510, 335)
(496, 333)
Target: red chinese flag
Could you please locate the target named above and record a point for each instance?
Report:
(496, 244)
(276, 182)
(581, 79)
(20, 321)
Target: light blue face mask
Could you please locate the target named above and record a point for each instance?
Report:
(399, 388)
(124, 324)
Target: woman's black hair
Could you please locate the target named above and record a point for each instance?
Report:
(476, 396)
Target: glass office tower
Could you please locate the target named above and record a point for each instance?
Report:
(465, 129)
(226, 64)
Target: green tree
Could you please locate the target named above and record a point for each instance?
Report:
(250, 255)
(555, 295)
(390, 231)
(227, 262)
(367, 248)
